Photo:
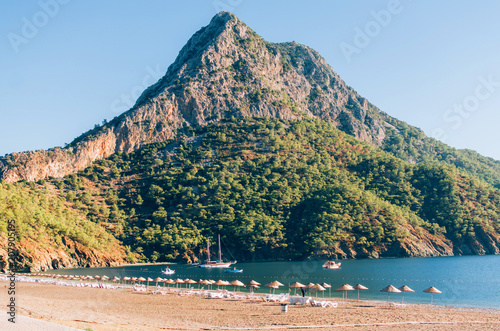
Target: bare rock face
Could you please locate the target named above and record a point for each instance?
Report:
(224, 70)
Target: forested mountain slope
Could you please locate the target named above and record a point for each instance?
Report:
(289, 189)
(260, 142)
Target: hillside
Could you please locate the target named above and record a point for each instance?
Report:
(225, 70)
(50, 233)
(277, 189)
(262, 143)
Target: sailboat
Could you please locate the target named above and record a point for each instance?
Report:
(215, 264)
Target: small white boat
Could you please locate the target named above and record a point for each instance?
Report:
(168, 271)
(234, 270)
(331, 265)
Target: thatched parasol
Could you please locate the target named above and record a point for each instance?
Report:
(390, 289)
(360, 287)
(157, 280)
(316, 288)
(404, 289)
(253, 284)
(237, 283)
(432, 290)
(273, 285)
(219, 283)
(344, 288)
(189, 281)
(296, 285)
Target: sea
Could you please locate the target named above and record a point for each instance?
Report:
(465, 281)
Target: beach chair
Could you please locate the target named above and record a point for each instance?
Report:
(299, 300)
(324, 304)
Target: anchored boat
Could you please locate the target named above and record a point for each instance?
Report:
(233, 271)
(331, 265)
(168, 271)
(218, 263)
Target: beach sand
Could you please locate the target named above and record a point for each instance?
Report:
(124, 309)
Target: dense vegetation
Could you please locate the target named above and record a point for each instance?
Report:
(410, 144)
(44, 221)
(276, 189)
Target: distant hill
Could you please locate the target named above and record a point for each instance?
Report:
(265, 144)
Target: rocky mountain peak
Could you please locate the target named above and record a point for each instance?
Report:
(207, 39)
(225, 69)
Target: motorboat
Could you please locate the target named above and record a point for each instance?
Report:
(234, 270)
(331, 265)
(168, 271)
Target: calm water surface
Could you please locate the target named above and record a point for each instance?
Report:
(466, 281)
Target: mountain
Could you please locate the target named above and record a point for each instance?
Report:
(224, 70)
(265, 144)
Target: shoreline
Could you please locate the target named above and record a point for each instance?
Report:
(124, 309)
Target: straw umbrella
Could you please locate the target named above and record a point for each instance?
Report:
(157, 280)
(316, 288)
(202, 282)
(104, 278)
(404, 289)
(141, 279)
(253, 284)
(178, 281)
(170, 281)
(360, 287)
(236, 283)
(344, 288)
(115, 279)
(390, 289)
(125, 279)
(189, 281)
(296, 285)
(220, 282)
(329, 287)
(226, 283)
(207, 282)
(432, 290)
(273, 285)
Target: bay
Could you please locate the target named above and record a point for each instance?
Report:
(466, 281)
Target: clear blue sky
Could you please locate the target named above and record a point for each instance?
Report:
(66, 67)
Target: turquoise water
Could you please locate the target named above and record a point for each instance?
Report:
(466, 281)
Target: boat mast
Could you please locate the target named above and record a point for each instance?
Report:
(208, 250)
(220, 255)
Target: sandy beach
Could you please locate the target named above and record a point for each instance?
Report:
(123, 309)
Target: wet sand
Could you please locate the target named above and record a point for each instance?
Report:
(124, 309)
